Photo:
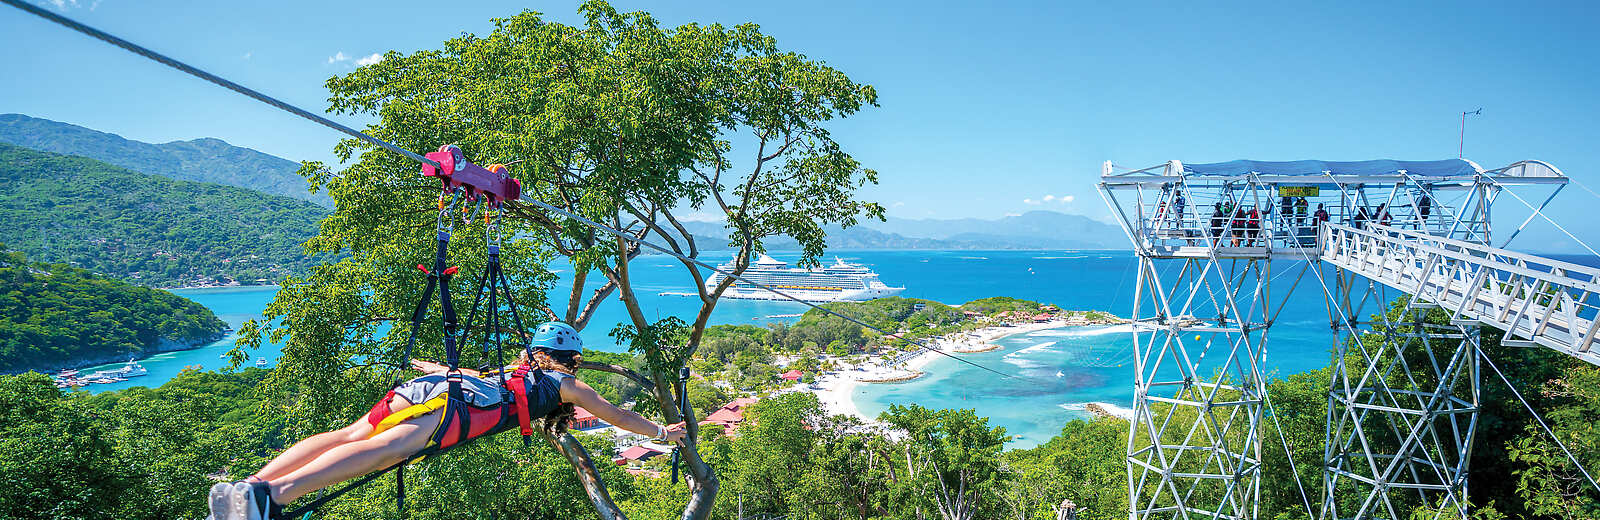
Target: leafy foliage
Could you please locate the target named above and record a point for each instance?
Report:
(54, 316)
(148, 229)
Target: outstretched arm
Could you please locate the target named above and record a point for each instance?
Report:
(429, 367)
(580, 394)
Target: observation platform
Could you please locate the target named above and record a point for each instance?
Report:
(1272, 209)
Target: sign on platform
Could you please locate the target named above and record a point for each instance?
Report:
(1298, 191)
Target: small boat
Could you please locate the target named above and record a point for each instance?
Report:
(1060, 374)
(131, 369)
(261, 362)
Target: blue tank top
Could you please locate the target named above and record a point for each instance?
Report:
(544, 391)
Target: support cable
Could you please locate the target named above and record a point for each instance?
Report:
(1289, 454)
(1546, 217)
(196, 72)
(1585, 187)
(1538, 419)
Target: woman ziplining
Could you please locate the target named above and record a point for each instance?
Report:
(409, 419)
(448, 406)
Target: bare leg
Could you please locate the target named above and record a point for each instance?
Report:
(354, 459)
(310, 447)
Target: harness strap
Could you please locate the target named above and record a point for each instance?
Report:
(519, 391)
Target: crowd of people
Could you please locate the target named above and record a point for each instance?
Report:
(1242, 224)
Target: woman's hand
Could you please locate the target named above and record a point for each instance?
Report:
(428, 367)
(675, 433)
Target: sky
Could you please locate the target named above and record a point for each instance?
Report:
(987, 109)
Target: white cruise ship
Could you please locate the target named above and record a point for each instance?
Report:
(838, 282)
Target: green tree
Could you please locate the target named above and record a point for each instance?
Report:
(951, 464)
(620, 120)
(1084, 464)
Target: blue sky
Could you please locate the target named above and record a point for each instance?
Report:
(987, 109)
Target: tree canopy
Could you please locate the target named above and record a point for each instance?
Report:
(56, 316)
(148, 229)
(620, 120)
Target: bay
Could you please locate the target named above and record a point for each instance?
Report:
(1061, 369)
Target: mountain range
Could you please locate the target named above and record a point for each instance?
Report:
(211, 160)
(148, 229)
(202, 160)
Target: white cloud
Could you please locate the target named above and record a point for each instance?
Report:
(338, 57)
(247, 55)
(370, 59)
(1013, 214)
(62, 5)
(897, 204)
(1063, 199)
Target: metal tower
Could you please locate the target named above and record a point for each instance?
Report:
(1202, 309)
(1403, 406)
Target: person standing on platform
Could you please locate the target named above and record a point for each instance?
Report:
(1424, 207)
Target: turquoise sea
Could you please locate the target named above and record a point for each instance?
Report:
(1063, 368)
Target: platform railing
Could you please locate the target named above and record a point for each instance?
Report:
(1535, 300)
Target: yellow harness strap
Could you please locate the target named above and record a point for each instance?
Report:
(411, 412)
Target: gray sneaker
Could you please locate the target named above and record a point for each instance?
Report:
(240, 497)
(218, 500)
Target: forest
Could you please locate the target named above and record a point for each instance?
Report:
(147, 229)
(54, 315)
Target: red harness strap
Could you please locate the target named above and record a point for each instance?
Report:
(519, 390)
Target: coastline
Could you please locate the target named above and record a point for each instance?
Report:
(835, 389)
(218, 286)
(161, 346)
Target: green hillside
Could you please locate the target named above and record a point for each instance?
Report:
(148, 229)
(55, 316)
(200, 160)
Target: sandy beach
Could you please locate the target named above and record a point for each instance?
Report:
(835, 388)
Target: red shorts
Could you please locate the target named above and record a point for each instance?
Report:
(482, 420)
(381, 410)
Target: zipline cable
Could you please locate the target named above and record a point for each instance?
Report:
(213, 78)
(196, 72)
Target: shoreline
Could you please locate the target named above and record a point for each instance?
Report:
(223, 286)
(161, 347)
(836, 389)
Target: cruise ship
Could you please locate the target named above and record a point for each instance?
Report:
(841, 281)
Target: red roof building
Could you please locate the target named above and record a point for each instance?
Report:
(792, 375)
(731, 415)
(585, 420)
(636, 454)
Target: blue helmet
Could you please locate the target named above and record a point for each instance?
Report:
(555, 335)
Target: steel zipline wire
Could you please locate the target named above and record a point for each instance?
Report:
(281, 105)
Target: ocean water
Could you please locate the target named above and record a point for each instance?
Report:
(1055, 372)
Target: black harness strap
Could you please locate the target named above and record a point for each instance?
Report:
(457, 409)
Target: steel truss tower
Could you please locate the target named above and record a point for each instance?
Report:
(1403, 406)
(1202, 309)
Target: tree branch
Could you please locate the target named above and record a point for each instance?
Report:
(621, 371)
